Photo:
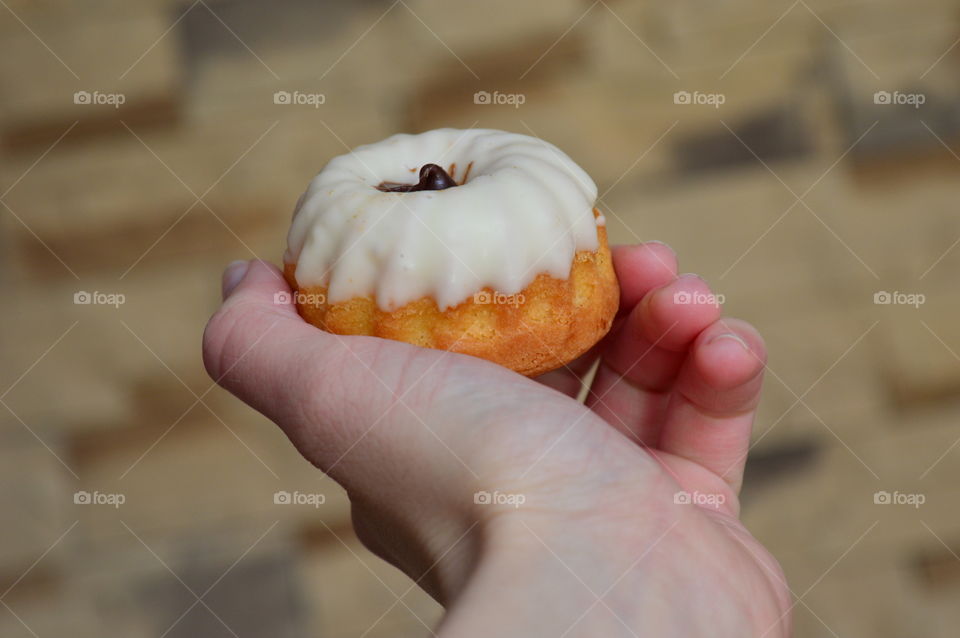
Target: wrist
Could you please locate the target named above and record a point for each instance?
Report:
(543, 573)
(514, 587)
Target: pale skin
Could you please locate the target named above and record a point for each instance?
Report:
(600, 545)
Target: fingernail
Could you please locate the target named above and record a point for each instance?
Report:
(732, 337)
(232, 275)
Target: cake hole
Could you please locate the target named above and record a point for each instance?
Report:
(432, 178)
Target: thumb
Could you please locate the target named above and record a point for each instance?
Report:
(344, 401)
(256, 344)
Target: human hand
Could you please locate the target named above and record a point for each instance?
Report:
(599, 545)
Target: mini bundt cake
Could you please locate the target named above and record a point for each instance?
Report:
(480, 242)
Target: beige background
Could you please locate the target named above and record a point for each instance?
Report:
(799, 198)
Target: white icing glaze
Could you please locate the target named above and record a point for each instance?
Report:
(525, 209)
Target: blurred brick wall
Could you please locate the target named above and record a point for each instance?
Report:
(800, 197)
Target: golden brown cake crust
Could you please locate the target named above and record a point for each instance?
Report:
(550, 323)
